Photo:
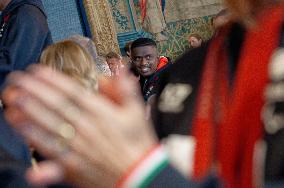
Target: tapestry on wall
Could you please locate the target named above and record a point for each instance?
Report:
(177, 10)
(182, 18)
(121, 16)
(169, 23)
(99, 15)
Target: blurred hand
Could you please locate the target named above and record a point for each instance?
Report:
(90, 139)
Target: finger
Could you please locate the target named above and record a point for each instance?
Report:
(42, 116)
(109, 89)
(122, 89)
(50, 124)
(55, 101)
(79, 173)
(124, 86)
(14, 115)
(56, 149)
(98, 106)
(50, 98)
(46, 173)
(10, 93)
(53, 128)
(58, 103)
(48, 120)
(56, 88)
(129, 88)
(77, 168)
(73, 90)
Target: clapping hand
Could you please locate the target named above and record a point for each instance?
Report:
(89, 139)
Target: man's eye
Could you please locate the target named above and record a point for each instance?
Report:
(137, 59)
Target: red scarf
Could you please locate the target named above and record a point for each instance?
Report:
(227, 122)
(163, 61)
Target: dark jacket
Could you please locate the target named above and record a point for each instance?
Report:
(24, 34)
(186, 70)
(12, 172)
(150, 85)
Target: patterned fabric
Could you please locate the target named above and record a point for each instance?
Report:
(121, 16)
(178, 32)
(128, 23)
(154, 21)
(99, 14)
(176, 10)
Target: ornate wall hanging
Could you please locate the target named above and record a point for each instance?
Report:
(101, 24)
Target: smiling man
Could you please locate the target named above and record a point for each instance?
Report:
(149, 65)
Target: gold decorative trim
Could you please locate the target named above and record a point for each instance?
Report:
(102, 26)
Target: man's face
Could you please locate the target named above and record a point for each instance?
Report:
(194, 42)
(145, 60)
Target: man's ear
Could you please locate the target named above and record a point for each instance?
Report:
(128, 54)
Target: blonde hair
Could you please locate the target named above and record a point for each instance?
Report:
(73, 60)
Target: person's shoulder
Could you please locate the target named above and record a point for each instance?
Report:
(164, 70)
(193, 54)
(30, 16)
(30, 9)
(29, 12)
(192, 60)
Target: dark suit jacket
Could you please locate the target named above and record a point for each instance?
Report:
(24, 35)
(186, 70)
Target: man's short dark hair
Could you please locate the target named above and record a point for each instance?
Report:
(143, 42)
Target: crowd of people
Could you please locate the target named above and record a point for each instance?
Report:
(211, 118)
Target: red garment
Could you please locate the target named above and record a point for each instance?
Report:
(227, 122)
(163, 62)
(143, 8)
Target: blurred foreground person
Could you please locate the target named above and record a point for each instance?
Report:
(220, 19)
(226, 125)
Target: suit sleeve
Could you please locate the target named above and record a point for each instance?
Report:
(154, 171)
